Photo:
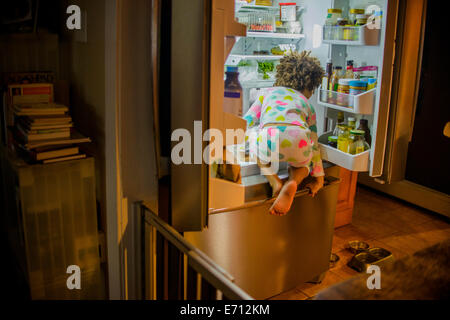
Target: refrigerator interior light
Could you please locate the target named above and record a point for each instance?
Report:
(317, 36)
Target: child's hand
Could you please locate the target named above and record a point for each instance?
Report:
(315, 186)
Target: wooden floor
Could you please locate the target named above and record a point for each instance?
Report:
(380, 221)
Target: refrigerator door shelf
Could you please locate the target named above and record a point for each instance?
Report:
(358, 163)
(362, 36)
(359, 104)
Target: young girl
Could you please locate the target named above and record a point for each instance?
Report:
(283, 126)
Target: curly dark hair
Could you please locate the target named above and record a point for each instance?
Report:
(299, 71)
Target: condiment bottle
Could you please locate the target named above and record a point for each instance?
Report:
(232, 102)
(343, 139)
(351, 123)
(340, 117)
(349, 74)
(326, 80)
(353, 15)
(364, 126)
(357, 143)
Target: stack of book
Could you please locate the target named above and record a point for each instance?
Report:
(44, 133)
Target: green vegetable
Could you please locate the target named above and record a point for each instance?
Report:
(244, 63)
(264, 67)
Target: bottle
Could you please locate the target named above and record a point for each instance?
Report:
(353, 13)
(334, 83)
(343, 139)
(351, 123)
(326, 80)
(364, 126)
(357, 143)
(349, 74)
(339, 33)
(340, 117)
(340, 122)
(232, 102)
(331, 22)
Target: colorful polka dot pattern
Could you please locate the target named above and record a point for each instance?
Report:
(296, 143)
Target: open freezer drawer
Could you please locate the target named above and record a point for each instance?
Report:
(268, 254)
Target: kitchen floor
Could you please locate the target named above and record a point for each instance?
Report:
(381, 221)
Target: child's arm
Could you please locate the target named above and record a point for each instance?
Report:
(316, 162)
(253, 115)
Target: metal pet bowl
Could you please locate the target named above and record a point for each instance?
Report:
(374, 256)
(334, 258)
(380, 253)
(357, 246)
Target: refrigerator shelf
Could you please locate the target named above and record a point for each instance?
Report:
(256, 57)
(292, 36)
(357, 104)
(244, 6)
(358, 163)
(257, 84)
(362, 36)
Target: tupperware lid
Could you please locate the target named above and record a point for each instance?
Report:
(344, 82)
(357, 132)
(232, 69)
(357, 11)
(332, 139)
(358, 83)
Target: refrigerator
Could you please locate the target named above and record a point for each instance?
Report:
(228, 220)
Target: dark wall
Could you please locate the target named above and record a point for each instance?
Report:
(429, 150)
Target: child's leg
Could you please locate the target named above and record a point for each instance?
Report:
(283, 203)
(275, 182)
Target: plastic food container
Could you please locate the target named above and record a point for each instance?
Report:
(344, 87)
(263, 2)
(261, 22)
(371, 84)
(288, 11)
(357, 87)
(332, 141)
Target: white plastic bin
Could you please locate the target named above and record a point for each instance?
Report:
(357, 104)
(359, 162)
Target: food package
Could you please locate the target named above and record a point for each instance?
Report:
(30, 93)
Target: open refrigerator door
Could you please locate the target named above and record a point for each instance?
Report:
(357, 35)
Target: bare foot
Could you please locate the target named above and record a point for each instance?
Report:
(276, 187)
(283, 203)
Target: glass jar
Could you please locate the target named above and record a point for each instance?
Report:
(343, 139)
(339, 33)
(348, 33)
(333, 16)
(343, 90)
(351, 123)
(331, 22)
(357, 143)
(352, 15)
(361, 20)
